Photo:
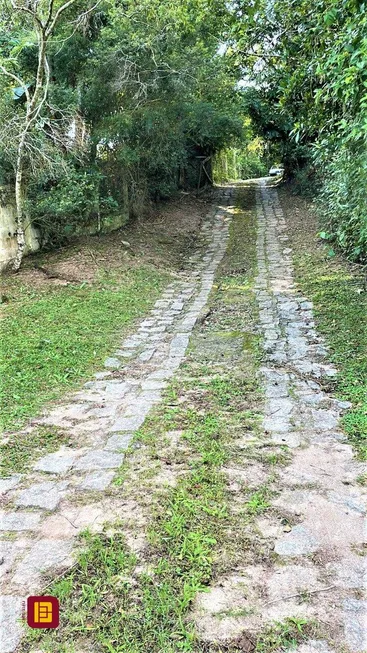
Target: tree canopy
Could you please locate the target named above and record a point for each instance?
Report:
(309, 62)
(105, 104)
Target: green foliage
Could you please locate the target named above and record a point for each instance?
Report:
(60, 208)
(310, 103)
(283, 636)
(210, 129)
(153, 89)
(233, 164)
(246, 159)
(158, 95)
(343, 201)
(139, 92)
(273, 126)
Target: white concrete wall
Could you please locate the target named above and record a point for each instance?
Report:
(8, 240)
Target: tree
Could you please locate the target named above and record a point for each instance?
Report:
(149, 83)
(155, 88)
(309, 63)
(42, 18)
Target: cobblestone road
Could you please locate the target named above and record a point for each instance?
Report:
(320, 555)
(308, 560)
(40, 510)
(323, 551)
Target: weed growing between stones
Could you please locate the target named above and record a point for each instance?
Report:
(18, 451)
(283, 636)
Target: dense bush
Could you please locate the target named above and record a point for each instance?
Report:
(342, 201)
(309, 60)
(62, 207)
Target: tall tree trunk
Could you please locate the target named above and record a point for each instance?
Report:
(44, 22)
(34, 105)
(19, 201)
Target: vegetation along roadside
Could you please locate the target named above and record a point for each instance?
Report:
(338, 290)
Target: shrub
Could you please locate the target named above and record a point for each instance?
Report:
(64, 207)
(342, 202)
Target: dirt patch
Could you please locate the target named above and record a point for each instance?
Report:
(161, 239)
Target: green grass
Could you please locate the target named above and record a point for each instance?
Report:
(283, 636)
(126, 614)
(20, 450)
(259, 501)
(106, 605)
(53, 339)
(340, 306)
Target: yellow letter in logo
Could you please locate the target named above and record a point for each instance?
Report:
(43, 612)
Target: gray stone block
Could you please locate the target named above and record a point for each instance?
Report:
(11, 629)
(276, 424)
(127, 353)
(156, 337)
(324, 420)
(273, 391)
(313, 399)
(97, 481)
(177, 306)
(298, 542)
(291, 439)
(99, 459)
(146, 355)
(118, 442)
(116, 389)
(314, 646)
(151, 396)
(99, 376)
(19, 521)
(306, 306)
(355, 612)
(152, 384)
(112, 363)
(157, 329)
(279, 407)
(9, 483)
(128, 423)
(189, 322)
(343, 405)
(180, 342)
(352, 501)
(8, 553)
(43, 495)
(45, 555)
(58, 462)
(162, 303)
(133, 341)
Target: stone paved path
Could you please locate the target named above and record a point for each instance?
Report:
(318, 557)
(323, 552)
(45, 510)
(310, 543)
